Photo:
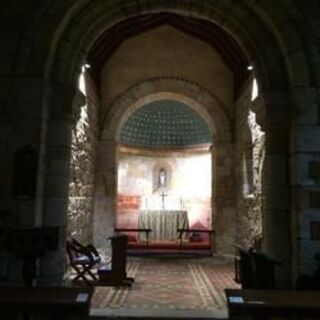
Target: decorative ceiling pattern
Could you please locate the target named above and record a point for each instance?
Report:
(165, 123)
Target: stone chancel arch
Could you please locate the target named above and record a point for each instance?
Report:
(209, 109)
(223, 163)
(276, 37)
(199, 99)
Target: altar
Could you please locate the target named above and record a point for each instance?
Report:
(164, 224)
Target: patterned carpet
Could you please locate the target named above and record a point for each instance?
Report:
(170, 284)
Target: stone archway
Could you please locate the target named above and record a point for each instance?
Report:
(202, 101)
(282, 58)
(211, 110)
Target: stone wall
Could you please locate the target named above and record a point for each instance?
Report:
(250, 153)
(6, 169)
(166, 52)
(48, 39)
(84, 143)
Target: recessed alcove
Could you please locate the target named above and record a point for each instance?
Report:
(164, 166)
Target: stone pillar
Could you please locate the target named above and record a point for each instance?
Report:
(27, 126)
(305, 176)
(276, 185)
(20, 126)
(224, 197)
(277, 220)
(56, 184)
(106, 191)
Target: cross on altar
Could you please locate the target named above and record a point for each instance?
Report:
(163, 195)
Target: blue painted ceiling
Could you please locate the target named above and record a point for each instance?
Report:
(165, 123)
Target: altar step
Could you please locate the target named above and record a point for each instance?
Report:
(169, 245)
(169, 253)
(169, 248)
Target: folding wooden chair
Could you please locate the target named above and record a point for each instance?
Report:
(82, 259)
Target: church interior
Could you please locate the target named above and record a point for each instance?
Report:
(187, 129)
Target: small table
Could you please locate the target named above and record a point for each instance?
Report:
(263, 304)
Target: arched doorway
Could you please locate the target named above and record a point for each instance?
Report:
(264, 67)
(213, 113)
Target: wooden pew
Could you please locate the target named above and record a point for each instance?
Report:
(51, 302)
(264, 304)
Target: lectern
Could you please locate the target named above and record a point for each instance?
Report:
(115, 274)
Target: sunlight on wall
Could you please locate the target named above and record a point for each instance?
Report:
(83, 117)
(195, 177)
(251, 161)
(81, 169)
(255, 128)
(189, 186)
(191, 175)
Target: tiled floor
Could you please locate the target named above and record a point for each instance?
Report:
(169, 287)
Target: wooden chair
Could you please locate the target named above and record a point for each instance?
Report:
(115, 274)
(82, 260)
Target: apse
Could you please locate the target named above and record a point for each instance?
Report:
(164, 169)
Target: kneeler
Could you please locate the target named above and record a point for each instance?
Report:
(115, 273)
(82, 259)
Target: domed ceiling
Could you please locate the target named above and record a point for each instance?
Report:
(165, 123)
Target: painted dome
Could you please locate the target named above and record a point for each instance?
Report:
(165, 123)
